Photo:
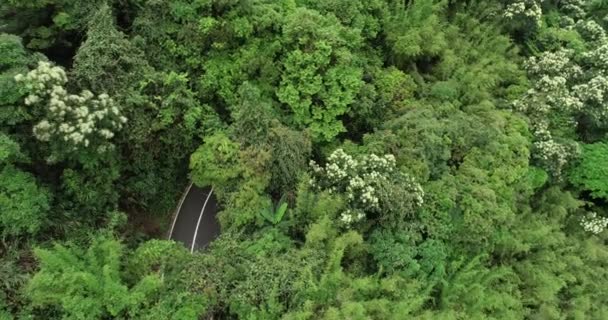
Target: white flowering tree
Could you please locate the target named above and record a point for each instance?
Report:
(569, 94)
(526, 10)
(71, 122)
(593, 223)
(552, 93)
(372, 186)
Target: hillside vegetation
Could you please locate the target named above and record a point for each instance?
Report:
(373, 159)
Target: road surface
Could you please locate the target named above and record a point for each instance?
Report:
(195, 224)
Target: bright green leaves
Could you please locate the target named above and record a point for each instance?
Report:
(238, 176)
(23, 204)
(88, 283)
(591, 174)
(63, 20)
(341, 85)
(321, 77)
(13, 52)
(93, 273)
(413, 29)
(206, 24)
(245, 195)
(302, 59)
(216, 162)
(301, 80)
(274, 213)
(336, 91)
(10, 151)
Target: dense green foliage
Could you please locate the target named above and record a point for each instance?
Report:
(372, 159)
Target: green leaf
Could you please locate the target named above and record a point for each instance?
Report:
(62, 19)
(280, 212)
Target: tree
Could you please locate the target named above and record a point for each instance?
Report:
(72, 123)
(320, 67)
(374, 188)
(591, 174)
(24, 204)
(290, 151)
(413, 30)
(106, 61)
(426, 159)
(252, 117)
(13, 60)
(88, 283)
(216, 162)
(167, 124)
(47, 24)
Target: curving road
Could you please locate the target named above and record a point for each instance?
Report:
(195, 224)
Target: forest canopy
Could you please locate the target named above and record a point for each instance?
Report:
(371, 159)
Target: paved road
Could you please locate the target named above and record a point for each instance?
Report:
(195, 223)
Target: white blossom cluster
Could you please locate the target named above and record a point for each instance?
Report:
(530, 9)
(78, 120)
(598, 57)
(566, 22)
(348, 217)
(591, 30)
(574, 8)
(557, 63)
(594, 91)
(359, 179)
(552, 92)
(594, 223)
(566, 86)
(555, 156)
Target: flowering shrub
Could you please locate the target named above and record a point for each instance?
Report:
(554, 156)
(80, 121)
(594, 224)
(366, 183)
(552, 92)
(569, 86)
(529, 9)
(591, 31)
(574, 8)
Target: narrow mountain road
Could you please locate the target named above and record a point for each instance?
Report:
(195, 224)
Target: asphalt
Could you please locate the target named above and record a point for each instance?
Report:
(196, 218)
